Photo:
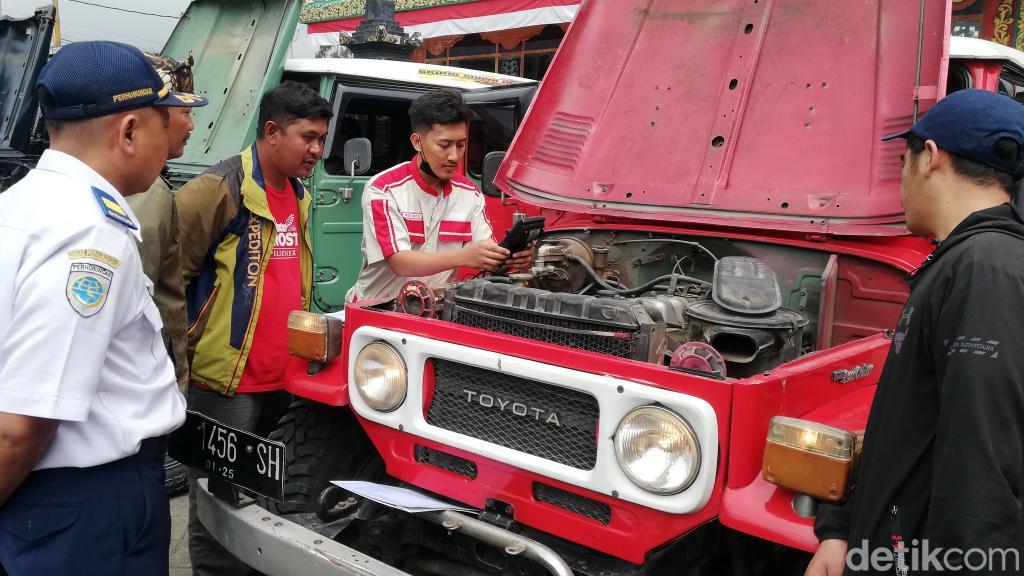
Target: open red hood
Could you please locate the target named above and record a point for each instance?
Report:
(759, 113)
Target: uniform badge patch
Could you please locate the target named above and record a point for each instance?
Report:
(88, 287)
(91, 254)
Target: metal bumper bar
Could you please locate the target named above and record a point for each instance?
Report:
(513, 544)
(277, 547)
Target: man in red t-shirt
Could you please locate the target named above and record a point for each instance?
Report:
(282, 293)
(247, 263)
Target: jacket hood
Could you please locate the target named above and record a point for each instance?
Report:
(1003, 219)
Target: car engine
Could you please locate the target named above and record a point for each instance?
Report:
(730, 324)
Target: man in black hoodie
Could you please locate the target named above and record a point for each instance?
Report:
(943, 462)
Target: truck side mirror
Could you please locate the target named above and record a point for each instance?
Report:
(358, 156)
(492, 161)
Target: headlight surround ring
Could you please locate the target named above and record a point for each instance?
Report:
(381, 377)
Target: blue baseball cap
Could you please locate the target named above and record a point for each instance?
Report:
(98, 78)
(968, 123)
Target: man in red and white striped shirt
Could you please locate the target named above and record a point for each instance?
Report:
(422, 219)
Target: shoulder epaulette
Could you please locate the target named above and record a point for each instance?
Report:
(111, 209)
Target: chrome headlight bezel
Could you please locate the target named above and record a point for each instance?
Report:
(374, 401)
(684, 427)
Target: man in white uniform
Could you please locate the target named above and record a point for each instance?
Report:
(87, 391)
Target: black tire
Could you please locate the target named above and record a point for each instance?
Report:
(176, 477)
(322, 443)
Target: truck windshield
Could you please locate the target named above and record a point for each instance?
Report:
(385, 123)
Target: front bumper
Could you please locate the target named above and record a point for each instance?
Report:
(277, 547)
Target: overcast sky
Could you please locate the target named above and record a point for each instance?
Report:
(81, 21)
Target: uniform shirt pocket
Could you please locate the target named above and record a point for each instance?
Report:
(415, 226)
(147, 330)
(455, 231)
(152, 314)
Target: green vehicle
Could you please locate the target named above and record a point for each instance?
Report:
(240, 49)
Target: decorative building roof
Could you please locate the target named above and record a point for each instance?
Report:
(322, 10)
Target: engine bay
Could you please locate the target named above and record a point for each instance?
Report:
(714, 306)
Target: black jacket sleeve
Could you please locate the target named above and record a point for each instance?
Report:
(833, 520)
(979, 365)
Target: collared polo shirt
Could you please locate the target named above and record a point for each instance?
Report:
(401, 212)
(79, 333)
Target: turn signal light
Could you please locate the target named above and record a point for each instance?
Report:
(811, 458)
(314, 337)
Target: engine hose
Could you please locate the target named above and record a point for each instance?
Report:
(590, 270)
(642, 288)
(670, 241)
(652, 286)
(653, 283)
(667, 288)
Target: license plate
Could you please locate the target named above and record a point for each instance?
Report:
(236, 456)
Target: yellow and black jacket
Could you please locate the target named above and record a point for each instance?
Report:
(227, 236)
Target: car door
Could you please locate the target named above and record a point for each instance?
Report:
(381, 116)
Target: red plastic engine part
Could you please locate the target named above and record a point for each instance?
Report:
(417, 299)
(698, 356)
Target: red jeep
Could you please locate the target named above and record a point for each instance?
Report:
(681, 376)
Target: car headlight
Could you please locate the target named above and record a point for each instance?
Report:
(658, 450)
(380, 377)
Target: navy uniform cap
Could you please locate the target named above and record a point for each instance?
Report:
(968, 123)
(91, 79)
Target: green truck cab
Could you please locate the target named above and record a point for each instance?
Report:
(240, 50)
